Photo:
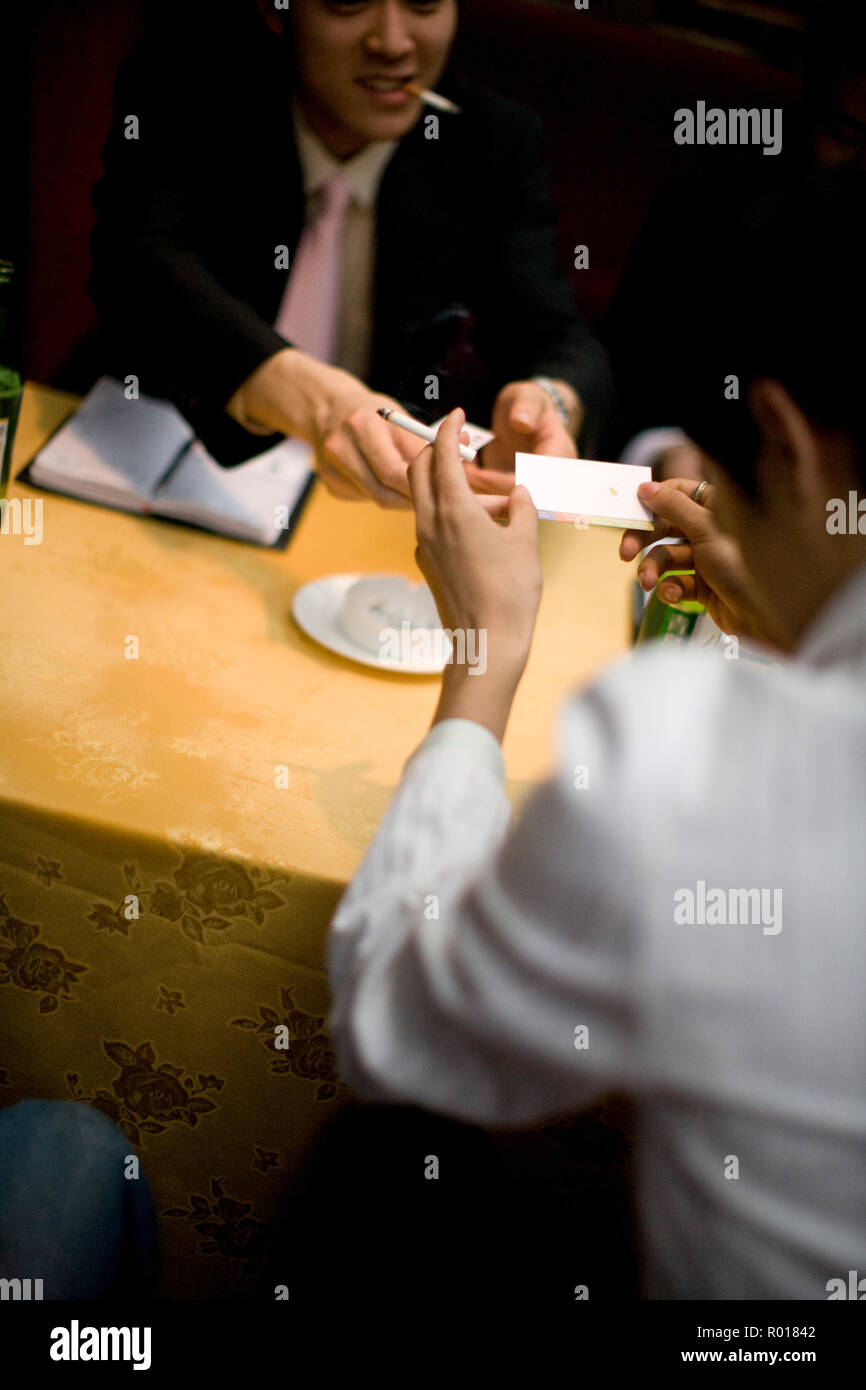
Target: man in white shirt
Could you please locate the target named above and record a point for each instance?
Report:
(679, 912)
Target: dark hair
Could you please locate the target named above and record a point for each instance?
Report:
(789, 305)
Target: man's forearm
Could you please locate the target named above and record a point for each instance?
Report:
(589, 377)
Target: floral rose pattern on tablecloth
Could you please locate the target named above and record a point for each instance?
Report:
(264, 1161)
(170, 1000)
(46, 871)
(207, 893)
(117, 918)
(227, 1227)
(95, 764)
(309, 1055)
(147, 1098)
(29, 964)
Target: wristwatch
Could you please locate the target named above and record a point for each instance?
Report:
(551, 389)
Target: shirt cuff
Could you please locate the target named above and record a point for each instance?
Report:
(467, 738)
(645, 448)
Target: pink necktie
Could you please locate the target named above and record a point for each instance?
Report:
(310, 312)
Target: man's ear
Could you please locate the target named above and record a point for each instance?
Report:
(788, 439)
(272, 19)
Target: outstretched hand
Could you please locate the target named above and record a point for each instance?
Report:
(523, 421)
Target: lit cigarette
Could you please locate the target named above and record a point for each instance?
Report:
(422, 431)
(433, 99)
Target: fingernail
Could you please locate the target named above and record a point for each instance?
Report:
(672, 592)
(523, 416)
(648, 489)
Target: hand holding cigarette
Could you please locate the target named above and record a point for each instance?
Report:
(425, 432)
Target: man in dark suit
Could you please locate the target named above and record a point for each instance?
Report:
(229, 128)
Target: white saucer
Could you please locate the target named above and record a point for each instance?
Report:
(316, 609)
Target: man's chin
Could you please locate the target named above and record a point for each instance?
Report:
(389, 125)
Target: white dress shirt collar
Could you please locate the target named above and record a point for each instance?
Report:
(363, 172)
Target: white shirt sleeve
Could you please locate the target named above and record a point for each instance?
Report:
(479, 972)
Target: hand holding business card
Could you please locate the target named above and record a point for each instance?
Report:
(585, 492)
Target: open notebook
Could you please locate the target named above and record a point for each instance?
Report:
(142, 456)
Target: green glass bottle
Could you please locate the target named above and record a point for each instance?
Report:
(10, 381)
(669, 622)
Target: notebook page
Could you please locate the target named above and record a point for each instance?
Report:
(112, 449)
(241, 501)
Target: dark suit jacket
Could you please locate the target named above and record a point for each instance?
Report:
(467, 283)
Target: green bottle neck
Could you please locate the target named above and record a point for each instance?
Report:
(10, 379)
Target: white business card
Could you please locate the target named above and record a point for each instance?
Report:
(478, 435)
(585, 492)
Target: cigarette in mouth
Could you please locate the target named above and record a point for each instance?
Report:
(433, 99)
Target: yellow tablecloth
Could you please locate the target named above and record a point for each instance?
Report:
(149, 785)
